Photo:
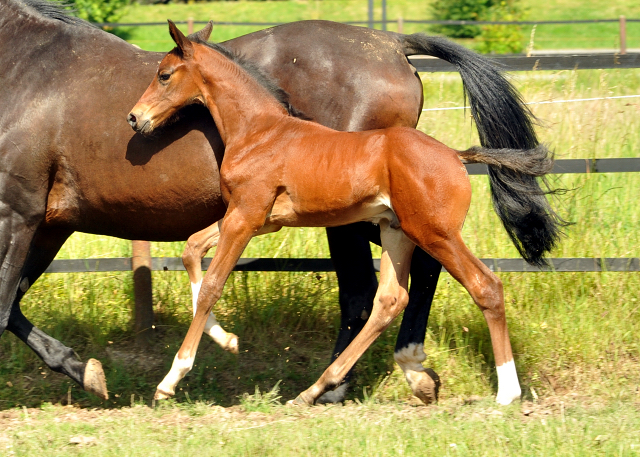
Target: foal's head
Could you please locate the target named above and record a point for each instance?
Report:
(176, 84)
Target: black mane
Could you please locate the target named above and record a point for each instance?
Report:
(56, 10)
(256, 73)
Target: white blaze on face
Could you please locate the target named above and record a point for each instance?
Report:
(410, 360)
(508, 385)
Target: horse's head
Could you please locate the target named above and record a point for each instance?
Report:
(176, 84)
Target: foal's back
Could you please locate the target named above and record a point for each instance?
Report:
(325, 177)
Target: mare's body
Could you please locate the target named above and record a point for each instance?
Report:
(69, 163)
(279, 170)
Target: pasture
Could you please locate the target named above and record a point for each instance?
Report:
(574, 334)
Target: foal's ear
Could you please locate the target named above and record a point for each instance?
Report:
(202, 35)
(184, 45)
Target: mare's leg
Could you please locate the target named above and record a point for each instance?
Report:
(58, 357)
(236, 230)
(409, 352)
(357, 284)
(391, 298)
(486, 290)
(196, 248)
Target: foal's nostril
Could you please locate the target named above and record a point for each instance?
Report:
(131, 119)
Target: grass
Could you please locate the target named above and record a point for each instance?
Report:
(562, 427)
(565, 36)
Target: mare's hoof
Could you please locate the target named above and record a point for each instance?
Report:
(162, 395)
(94, 380)
(427, 387)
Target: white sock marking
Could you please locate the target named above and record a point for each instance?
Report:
(508, 385)
(410, 360)
(334, 396)
(179, 369)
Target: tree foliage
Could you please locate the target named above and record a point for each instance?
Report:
(459, 10)
(98, 10)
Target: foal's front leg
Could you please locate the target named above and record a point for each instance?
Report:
(196, 248)
(236, 231)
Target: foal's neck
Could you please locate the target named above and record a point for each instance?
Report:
(239, 104)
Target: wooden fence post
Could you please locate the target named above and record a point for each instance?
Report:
(141, 265)
(384, 14)
(400, 24)
(190, 25)
(623, 35)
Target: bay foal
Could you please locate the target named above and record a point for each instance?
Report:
(279, 170)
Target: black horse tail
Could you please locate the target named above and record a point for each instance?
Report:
(504, 123)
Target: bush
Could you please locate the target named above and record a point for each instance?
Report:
(502, 39)
(459, 10)
(98, 10)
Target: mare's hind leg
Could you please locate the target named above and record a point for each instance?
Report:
(391, 298)
(409, 352)
(54, 354)
(196, 248)
(357, 284)
(486, 290)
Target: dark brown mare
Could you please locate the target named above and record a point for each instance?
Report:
(279, 170)
(69, 163)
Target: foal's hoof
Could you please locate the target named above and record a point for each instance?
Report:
(94, 380)
(427, 386)
(162, 395)
(298, 402)
(232, 344)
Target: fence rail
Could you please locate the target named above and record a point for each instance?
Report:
(570, 166)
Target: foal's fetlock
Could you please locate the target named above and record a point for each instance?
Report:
(163, 394)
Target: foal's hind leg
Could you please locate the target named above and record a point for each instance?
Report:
(486, 290)
(391, 298)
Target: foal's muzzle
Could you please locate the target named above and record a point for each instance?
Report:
(143, 126)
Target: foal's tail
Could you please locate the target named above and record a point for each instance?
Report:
(518, 199)
(505, 127)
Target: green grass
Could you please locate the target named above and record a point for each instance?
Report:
(564, 427)
(566, 36)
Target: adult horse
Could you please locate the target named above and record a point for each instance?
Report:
(69, 162)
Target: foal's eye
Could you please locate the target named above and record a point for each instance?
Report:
(164, 76)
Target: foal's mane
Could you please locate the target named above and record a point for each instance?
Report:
(56, 10)
(256, 73)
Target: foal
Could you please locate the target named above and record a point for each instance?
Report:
(279, 170)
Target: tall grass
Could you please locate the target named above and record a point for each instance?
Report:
(571, 332)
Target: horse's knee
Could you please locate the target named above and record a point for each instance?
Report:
(391, 303)
(488, 295)
(191, 254)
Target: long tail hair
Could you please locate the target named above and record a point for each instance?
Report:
(504, 123)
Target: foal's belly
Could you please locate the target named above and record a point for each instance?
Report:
(290, 212)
